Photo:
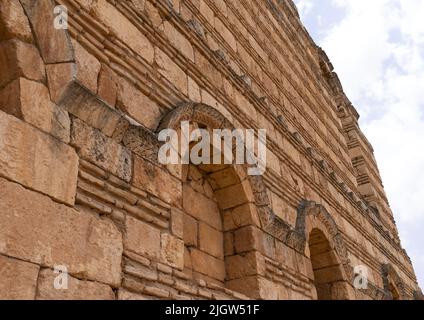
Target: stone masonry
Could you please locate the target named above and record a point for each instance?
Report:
(80, 182)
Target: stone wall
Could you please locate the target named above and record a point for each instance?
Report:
(81, 186)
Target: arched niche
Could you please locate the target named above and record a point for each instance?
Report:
(393, 285)
(218, 201)
(324, 246)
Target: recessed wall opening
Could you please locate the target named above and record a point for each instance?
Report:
(215, 198)
(328, 275)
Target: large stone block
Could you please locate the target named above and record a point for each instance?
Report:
(88, 67)
(37, 160)
(142, 238)
(76, 290)
(211, 241)
(20, 59)
(30, 101)
(54, 44)
(36, 229)
(171, 71)
(151, 178)
(207, 265)
(172, 250)
(201, 208)
(18, 279)
(13, 22)
(95, 147)
(137, 105)
(123, 29)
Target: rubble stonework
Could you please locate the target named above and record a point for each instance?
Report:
(81, 185)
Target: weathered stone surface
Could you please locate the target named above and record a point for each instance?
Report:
(13, 22)
(177, 223)
(88, 67)
(54, 44)
(172, 250)
(201, 208)
(60, 78)
(211, 241)
(142, 238)
(94, 146)
(171, 71)
(37, 160)
(190, 231)
(30, 101)
(20, 59)
(149, 177)
(208, 265)
(76, 290)
(122, 28)
(179, 41)
(138, 106)
(127, 295)
(205, 231)
(19, 279)
(107, 87)
(39, 230)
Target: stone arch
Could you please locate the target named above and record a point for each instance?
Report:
(324, 245)
(212, 118)
(393, 284)
(239, 198)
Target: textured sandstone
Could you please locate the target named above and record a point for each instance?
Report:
(20, 59)
(36, 160)
(54, 43)
(93, 146)
(142, 238)
(76, 290)
(30, 101)
(13, 22)
(19, 279)
(47, 233)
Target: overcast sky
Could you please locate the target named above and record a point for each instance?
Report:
(377, 49)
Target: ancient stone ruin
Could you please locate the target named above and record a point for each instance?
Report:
(85, 87)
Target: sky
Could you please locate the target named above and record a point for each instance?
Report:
(377, 49)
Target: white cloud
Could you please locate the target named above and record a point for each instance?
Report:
(377, 49)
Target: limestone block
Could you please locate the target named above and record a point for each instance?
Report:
(177, 222)
(151, 178)
(30, 101)
(107, 87)
(54, 44)
(13, 22)
(172, 250)
(240, 266)
(211, 241)
(36, 229)
(88, 67)
(37, 160)
(60, 77)
(171, 71)
(201, 208)
(20, 59)
(18, 279)
(208, 265)
(137, 105)
(226, 34)
(142, 238)
(235, 195)
(179, 41)
(190, 231)
(95, 147)
(77, 289)
(123, 29)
